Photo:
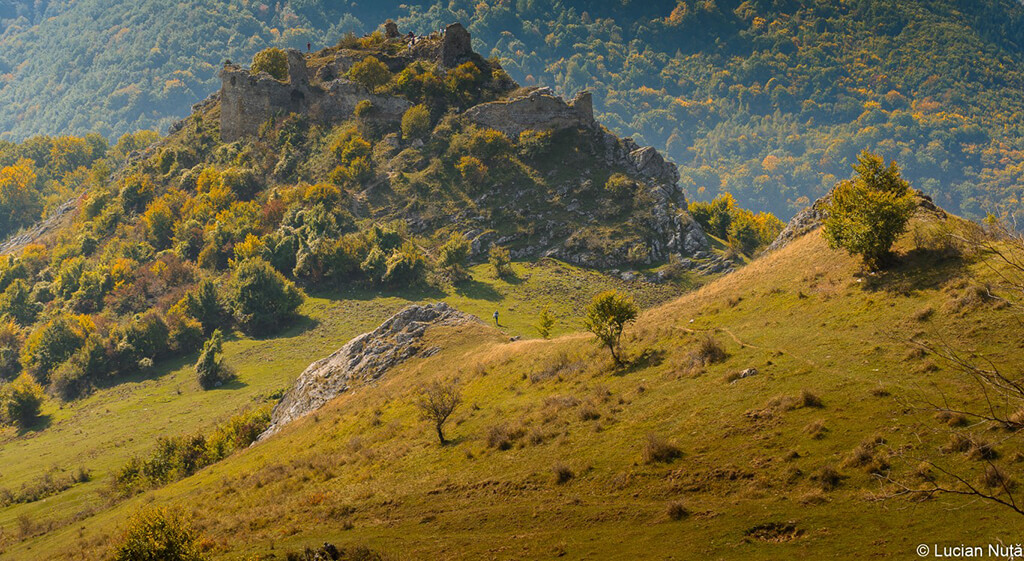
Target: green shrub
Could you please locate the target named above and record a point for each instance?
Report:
(500, 260)
(677, 510)
(370, 73)
(710, 351)
(203, 304)
(69, 381)
(416, 122)
(49, 345)
(159, 223)
(261, 298)
(545, 322)
(658, 450)
(273, 61)
(185, 334)
(743, 234)
(405, 266)
(607, 316)
(159, 534)
(461, 80)
(714, 216)
(489, 144)
(869, 212)
(178, 457)
(136, 192)
(210, 370)
(92, 286)
(147, 335)
(375, 265)
(533, 144)
(452, 257)
(472, 170)
(620, 186)
(11, 340)
(20, 401)
(562, 473)
(17, 303)
(242, 182)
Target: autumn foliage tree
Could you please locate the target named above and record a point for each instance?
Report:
(870, 211)
(273, 61)
(607, 316)
(370, 73)
(20, 202)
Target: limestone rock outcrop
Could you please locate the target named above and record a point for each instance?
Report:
(540, 109)
(803, 222)
(363, 359)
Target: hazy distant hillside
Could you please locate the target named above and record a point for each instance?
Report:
(767, 100)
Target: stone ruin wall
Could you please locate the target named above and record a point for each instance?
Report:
(249, 100)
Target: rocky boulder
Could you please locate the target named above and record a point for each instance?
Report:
(363, 359)
(803, 222)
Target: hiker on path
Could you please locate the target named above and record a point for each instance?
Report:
(496, 318)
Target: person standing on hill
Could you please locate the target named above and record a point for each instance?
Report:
(496, 318)
(309, 46)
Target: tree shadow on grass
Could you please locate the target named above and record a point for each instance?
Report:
(647, 358)
(38, 425)
(413, 293)
(160, 369)
(233, 384)
(296, 326)
(478, 291)
(514, 279)
(451, 442)
(915, 270)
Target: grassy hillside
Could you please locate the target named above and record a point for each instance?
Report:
(99, 433)
(555, 452)
(768, 100)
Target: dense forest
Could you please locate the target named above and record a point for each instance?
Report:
(768, 100)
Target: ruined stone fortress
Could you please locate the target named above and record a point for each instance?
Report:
(319, 89)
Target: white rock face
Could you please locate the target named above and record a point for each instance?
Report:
(365, 358)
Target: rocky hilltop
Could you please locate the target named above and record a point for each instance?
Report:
(317, 86)
(363, 359)
(564, 208)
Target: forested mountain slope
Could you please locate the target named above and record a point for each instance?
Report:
(770, 101)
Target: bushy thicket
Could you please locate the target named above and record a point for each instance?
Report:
(744, 230)
(178, 457)
(159, 533)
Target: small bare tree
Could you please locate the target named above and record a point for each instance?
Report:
(437, 401)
